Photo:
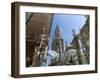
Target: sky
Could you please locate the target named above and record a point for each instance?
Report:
(66, 23)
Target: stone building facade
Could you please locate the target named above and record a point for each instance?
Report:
(37, 34)
(80, 42)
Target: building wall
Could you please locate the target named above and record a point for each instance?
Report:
(81, 43)
(38, 24)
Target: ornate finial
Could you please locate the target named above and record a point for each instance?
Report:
(74, 34)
